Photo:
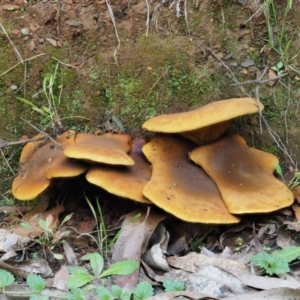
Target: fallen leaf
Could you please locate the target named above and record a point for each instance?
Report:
(137, 232)
(155, 255)
(179, 295)
(70, 255)
(195, 261)
(273, 294)
(266, 283)
(61, 278)
(296, 192)
(296, 209)
(271, 75)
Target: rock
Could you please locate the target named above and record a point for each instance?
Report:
(24, 31)
(247, 63)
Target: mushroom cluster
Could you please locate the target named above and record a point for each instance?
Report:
(190, 168)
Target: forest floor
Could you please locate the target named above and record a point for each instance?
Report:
(108, 66)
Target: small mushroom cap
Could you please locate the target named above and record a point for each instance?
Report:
(127, 182)
(180, 187)
(244, 175)
(107, 149)
(39, 162)
(196, 125)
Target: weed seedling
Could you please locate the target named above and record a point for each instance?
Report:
(277, 262)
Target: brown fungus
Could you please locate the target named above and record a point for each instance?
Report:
(127, 182)
(41, 161)
(205, 123)
(180, 187)
(106, 149)
(244, 175)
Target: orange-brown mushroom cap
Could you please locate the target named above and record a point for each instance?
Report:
(127, 182)
(42, 160)
(205, 123)
(244, 175)
(107, 149)
(180, 187)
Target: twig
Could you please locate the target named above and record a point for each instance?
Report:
(4, 144)
(148, 17)
(67, 65)
(155, 83)
(286, 111)
(116, 31)
(251, 17)
(18, 54)
(232, 75)
(28, 59)
(4, 158)
(186, 18)
(260, 81)
(40, 131)
(278, 141)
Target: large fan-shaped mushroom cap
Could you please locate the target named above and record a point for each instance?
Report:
(244, 175)
(180, 187)
(205, 123)
(127, 182)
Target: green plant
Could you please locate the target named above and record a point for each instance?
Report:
(142, 291)
(172, 286)
(281, 45)
(81, 276)
(6, 279)
(293, 182)
(277, 262)
(102, 233)
(49, 114)
(239, 243)
(51, 236)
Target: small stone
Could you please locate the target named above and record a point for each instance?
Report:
(13, 87)
(247, 63)
(31, 45)
(244, 72)
(253, 69)
(228, 56)
(234, 64)
(24, 31)
(52, 42)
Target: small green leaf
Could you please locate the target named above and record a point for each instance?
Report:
(79, 279)
(272, 264)
(86, 256)
(278, 169)
(287, 254)
(27, 226)
(6, 278)
(36, 283)
(143, 290)
(121, 268)
(76, 294)
(116, 291)
(173, 286)
(75, 270)
(97, 264)
(57, 256)
(44, 226)
(103, 293)
(280, 65)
